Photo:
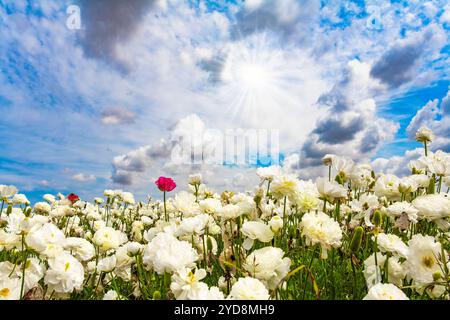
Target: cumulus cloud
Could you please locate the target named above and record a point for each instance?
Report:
(127, 166)
(349, 125)
(397, 165)
(289, 18)
(424, 117)
(399, 64)
(117, 115)
(108, 24)
(434, 115)
(82, 177)
(176, 54)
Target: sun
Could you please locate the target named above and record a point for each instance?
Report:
(254, 78)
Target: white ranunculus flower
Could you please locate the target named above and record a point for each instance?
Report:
(330, 190)
(80, 248)
(387, 186)
(343, 166)
(185, 283)
(9, 240)
(42, 208)
(184, 202)
(45, 239)
(195, 179)
(397, 209)
(422, 260)
(319, 228)
(195, 225)
(65, 274)
(432, 206)
(437, 163)
(34, 272)
(111, 295)
(392, 243)
(10, 289)
(7, 191)
(307, 196)
(134, 248)
(165, 253)
(423, 134)
(49, 198)
(268, 265)
(127, 197)
(284, 185)
(107, 238)
(20, 198)
(276, 223)
(422, 180)
(249, 289)
(385, 291)
(205, 293)
(230, 211)
(361, 175)
(211, 206)
(257, 230)
(269, 173)
(327, 159)
(407, 185)
(107, 264)
(98, 200)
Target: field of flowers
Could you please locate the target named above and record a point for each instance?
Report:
(354, 234)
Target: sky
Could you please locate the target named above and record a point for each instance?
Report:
(107, 94)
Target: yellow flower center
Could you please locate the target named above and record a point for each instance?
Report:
(428, 261)
(4, 292)
(191, 277)
(67, 266)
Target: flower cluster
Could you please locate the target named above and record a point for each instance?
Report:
(354, 234)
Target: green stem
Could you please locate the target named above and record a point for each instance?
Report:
(268, 188)
(165, 208)
(24, 266)
(1, 210)
(355, 287)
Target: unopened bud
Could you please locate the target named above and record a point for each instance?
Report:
(209, 244)
(436, 276)
(377, 218)
(355, 244)
(156, 295)
(339, 179)
(432, 184)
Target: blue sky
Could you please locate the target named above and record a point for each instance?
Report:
(104, 105)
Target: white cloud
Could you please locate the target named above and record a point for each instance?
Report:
(82, 177)
(397, 164)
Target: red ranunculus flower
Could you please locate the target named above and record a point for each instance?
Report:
(73, 197)
(165, 184)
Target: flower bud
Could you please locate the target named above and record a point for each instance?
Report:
(436, 276)
(377, 218)
(209, 244)
(276, 223)
(156, 295)
(432, 184)
(355, 244)
(339, 179)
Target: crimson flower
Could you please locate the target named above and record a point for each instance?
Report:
(165, 184)
(73, 197)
